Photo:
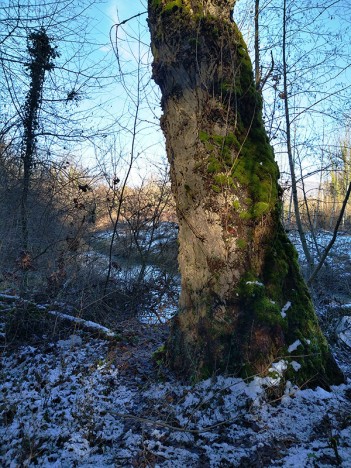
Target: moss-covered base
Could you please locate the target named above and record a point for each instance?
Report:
(271, 318)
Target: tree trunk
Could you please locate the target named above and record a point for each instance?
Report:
(289, 148)
(41, 53)
(238, 268)
(257, 45)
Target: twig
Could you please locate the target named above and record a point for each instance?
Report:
(169, 426)
(117, 25)
(331, 243)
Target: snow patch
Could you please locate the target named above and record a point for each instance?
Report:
(343, 331)
(85, 323)
(294, 346)
(256, 388)
(279, 366)
(285, 309)
(257, 283)
(74, 340)
(295, 365)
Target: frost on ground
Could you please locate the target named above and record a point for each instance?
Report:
(93, 402)
(90, 398)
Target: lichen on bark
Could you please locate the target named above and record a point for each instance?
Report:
(237, 266)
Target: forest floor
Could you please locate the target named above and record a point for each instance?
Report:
(90, 398)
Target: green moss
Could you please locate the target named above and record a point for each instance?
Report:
(284, 283)
(253, 210)
(216, 189)
(230, 90)
(159, 355)
(232, 141)
(223, 179)
(281, 259)
(236, 205)
(169, 6)
(260, 209)
(203, 136)
(241, 244)
(214, 166)
(251, 286)
(245, 215)
(268, 312)
(274, 375)
(226, 144)
(220, 150)
(256, 169)
(257, 304)
(173, 4)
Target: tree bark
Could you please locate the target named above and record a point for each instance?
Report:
(238, 268)
(257, 45)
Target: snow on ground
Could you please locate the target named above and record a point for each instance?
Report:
(101, 402)
(72, 403)
(150, 237)
(338, 261)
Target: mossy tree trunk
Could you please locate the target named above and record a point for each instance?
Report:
(243, 301)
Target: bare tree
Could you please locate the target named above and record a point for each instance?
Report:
(47, 122)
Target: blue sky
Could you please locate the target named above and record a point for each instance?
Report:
(118, 101)
(112, 105)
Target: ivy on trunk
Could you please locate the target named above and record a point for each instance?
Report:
(41, 54)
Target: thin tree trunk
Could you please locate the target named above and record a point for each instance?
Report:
(295, 198)
(332, 214)
(243, 301)
(257, 45)
(289, 211)
(308, 214)
(316, 222)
